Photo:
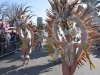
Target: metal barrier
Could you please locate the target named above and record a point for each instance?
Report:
(8, 47)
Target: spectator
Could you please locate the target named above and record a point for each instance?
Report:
(17, 38)
(13, 40)
(8, 37)
(3, 44)
(2, 28)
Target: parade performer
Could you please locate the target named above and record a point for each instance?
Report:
(25, 46)
(70, 58)
(40, 39)
(26, 34)
(76, 24)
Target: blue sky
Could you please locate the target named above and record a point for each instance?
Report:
(39, 7)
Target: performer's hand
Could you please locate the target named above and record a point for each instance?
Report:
(62, 55)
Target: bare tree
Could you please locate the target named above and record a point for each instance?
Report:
(3, 7)
(15, 10)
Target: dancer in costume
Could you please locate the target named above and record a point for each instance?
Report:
(70, 57)
(40, 39)
(25, 46)
(24, 30)
(77, 24)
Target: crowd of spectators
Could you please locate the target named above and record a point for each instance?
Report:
(8, 36)
(6, 39)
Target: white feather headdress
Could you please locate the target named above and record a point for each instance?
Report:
(71, 31)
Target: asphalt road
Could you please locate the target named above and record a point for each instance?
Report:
(40, 64)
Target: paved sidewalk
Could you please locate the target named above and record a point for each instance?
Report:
(40, 65)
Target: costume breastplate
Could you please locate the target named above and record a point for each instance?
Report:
(25, 44)
(69, 54)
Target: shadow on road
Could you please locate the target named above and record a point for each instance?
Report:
(38, 53)
(34, 70)
(96, 53)
(7, 70)
(17, 56)
(25, 70)
(12, 57)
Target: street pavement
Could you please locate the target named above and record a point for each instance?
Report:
(41, 64)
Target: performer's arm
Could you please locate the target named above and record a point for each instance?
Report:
(19, 33)
(62, 43)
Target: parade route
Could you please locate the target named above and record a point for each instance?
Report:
(40, 64)
(50, 37)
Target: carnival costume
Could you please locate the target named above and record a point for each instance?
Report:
(25, 28)
(64, 15)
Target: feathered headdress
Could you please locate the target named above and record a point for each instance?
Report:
(71, 31)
